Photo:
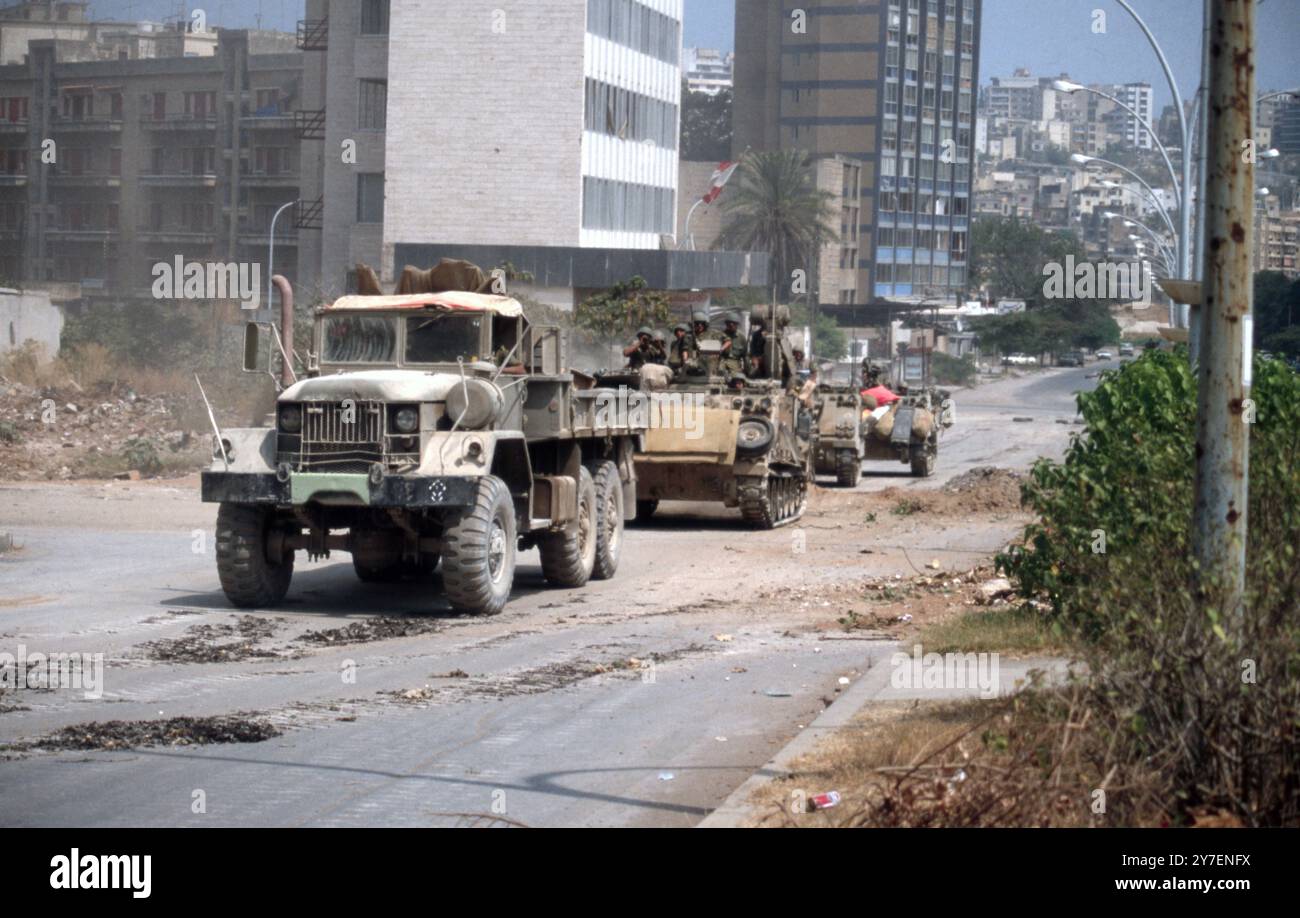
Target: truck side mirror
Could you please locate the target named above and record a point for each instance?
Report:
(252, 347)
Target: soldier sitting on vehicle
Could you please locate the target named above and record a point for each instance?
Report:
(695, 365)
(733, 348)
(680, 350)
(757, 346)
(639, 352)
(658, 349)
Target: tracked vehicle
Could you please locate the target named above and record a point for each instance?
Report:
(743, 443)
(431, 429)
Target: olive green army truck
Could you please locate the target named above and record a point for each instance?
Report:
(431, 429)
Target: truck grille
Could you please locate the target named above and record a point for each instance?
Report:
(336, 439)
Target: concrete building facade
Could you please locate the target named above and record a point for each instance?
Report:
(889, 84)
(109, 166)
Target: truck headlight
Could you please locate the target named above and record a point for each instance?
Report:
(406, 420)
(291, 419)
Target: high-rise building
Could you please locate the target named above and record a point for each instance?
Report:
(1129, 124)
(547, 138)
(889, 84)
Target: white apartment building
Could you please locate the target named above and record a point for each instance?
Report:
(501, 133)
(708, 70)
(1140, 98)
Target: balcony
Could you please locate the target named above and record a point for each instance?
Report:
(90, 234)
(92, 123)
(310, 124)
(313, 34)
(260, 238)
(181, 121)
(178, 235)
(179, 179)
(269, 179)
(14, 127)
(276, 121)
(13, 179)
(87, 179)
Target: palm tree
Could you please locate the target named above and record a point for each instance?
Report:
(773, 205)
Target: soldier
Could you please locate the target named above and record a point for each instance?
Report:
(757, 345)
(639, 351)
(680, 351)
(733, 347)
(701, 332)
(659, 348)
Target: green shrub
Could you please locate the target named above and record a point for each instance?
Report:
(142, 454)
(1206, 694)
(952, 371)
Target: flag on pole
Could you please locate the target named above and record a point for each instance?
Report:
(721, 176)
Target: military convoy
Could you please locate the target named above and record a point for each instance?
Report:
(442, 428)
(431, 428)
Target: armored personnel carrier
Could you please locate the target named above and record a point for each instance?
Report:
(841, 437)
(431, 427)
(742, 441)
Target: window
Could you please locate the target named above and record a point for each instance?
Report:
(636, 26)
(372, 106)
(359, 339)
(625, 207)
(370, 197)
(444, 338)
(629, 116)
(374, 17)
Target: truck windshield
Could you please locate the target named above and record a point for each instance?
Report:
(359, 339)
(443, 338)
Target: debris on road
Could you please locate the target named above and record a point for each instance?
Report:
(176, 731)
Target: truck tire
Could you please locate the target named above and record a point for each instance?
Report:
(569, 556)
(848, 469)
(646, 509)
(248, 579)
(609, 516)
(478, 561)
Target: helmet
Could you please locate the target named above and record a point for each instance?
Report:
(700, 316)
(732, 318)
(644, 330)
(681, 326)
(660, 335)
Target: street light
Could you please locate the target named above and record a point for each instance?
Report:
(1106, 183)
(1069, 86)
(270, 257)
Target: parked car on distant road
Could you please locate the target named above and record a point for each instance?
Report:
(1019, 360)
(1072, 359)
(1106, 355)
(1126, 350)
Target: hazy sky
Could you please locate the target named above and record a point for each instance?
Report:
(1047, 36)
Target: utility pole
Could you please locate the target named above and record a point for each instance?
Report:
(1222, 435)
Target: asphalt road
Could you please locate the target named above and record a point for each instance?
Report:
(639, 701)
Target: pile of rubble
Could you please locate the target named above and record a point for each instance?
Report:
(68, 432)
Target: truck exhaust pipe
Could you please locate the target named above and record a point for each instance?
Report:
(287, 376)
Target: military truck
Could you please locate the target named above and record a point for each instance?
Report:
(436, 427)
(743, 442)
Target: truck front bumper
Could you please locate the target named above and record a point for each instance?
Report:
(301, 488)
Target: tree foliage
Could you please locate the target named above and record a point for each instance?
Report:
(620, 310)
(706, 125)
(773, 205)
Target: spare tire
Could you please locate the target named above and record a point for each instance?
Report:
(755, 437)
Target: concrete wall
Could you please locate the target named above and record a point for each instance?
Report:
(28, 316)
(489, 150)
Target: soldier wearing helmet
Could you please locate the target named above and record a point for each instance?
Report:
(733, 347)
(639, 352)
(659, 348)
(680, 349)
(700, 332)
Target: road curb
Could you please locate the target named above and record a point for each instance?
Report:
(735, 811)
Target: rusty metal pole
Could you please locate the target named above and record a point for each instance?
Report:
(1222, 436)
